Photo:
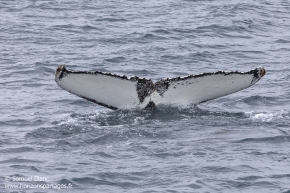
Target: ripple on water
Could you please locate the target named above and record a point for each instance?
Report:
(17, 150)
(267, 140)
(20, 160)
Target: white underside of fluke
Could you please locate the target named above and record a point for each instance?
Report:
(197, 90)
(104, 89)
(119, 92)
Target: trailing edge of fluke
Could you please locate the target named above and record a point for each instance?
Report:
(120, 92)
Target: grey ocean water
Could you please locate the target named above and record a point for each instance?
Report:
(238, 143)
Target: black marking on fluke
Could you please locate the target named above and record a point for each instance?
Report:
(256, 74)
(162, 86)
(145, 87)
(62, 70)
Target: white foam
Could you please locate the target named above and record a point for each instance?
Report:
(268, 116)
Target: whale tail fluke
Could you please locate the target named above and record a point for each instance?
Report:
(120, 92)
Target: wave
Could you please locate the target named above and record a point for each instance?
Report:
(105, 126)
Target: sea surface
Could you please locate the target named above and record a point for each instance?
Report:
(53, 141)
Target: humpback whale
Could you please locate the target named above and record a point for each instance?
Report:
(120, 92)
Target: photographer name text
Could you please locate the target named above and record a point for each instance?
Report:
(27, 179)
